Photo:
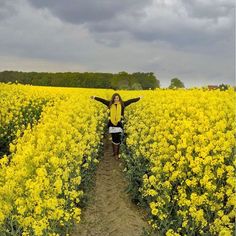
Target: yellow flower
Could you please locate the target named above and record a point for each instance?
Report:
(154, 211)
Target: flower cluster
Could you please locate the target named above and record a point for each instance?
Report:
(21, 106)
(40, 187)
(188, 139)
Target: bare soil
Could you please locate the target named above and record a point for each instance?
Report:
(109, 211)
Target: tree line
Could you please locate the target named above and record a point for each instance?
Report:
(121, 80)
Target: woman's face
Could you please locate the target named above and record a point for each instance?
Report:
(116, 99)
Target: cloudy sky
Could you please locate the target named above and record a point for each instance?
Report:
(193, 40)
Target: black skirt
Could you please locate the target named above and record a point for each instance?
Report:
(116, 138)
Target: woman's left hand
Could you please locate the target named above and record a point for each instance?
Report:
(141, 97)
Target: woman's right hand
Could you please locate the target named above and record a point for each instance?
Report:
(92, 97)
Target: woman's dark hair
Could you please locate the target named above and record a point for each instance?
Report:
(113, 98)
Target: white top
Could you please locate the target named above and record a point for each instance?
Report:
(115, 129)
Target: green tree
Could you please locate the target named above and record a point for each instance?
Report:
(176, 83)
(120, 81)
(223, 87)
(136, 86)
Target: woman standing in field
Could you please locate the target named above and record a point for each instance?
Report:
(115, 123)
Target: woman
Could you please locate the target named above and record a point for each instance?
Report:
(115, 123)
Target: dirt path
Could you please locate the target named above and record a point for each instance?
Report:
(110, 211)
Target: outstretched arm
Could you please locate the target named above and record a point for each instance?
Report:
(128, 102)
(105, 102)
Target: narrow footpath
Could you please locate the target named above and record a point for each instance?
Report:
(110, 211)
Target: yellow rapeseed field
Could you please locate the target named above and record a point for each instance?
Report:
(39, 184)
(188, 139)
(180, 144)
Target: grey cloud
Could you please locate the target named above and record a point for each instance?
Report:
(7, 10)
(33, 34)
(208, 9)
(188, 24)
(180, 39)
(79, 11)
